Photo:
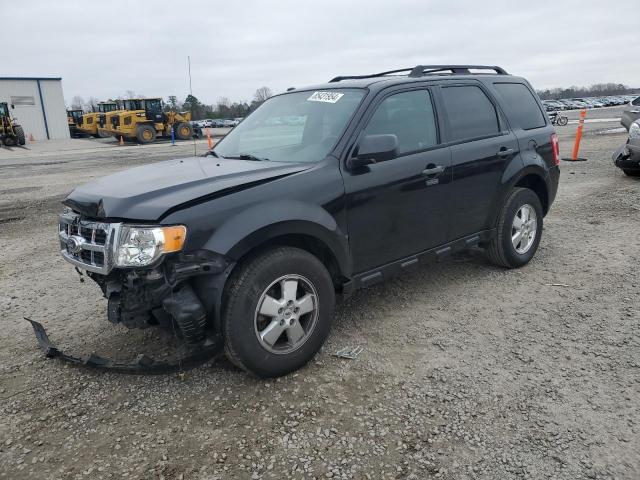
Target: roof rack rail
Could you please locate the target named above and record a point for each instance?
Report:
(360, 77)
(422, 70)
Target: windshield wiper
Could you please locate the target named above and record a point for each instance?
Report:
(213, 154)
(248, 156)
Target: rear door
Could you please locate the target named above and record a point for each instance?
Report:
(482, 148)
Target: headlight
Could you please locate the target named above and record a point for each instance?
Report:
(634, 131)
(141, 246)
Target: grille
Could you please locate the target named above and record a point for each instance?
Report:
(87, 244)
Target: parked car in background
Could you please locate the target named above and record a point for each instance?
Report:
(571, 105)
(631, 113)
(581, 103)
(553, 105)
(627, 157)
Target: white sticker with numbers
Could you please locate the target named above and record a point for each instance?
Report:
(327, 97)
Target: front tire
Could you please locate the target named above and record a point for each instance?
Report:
(20, 134)
(278, 310)
(145, 134)
(562, 121)
(519, 230)
(183, 131)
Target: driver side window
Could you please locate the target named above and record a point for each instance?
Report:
(410, 117)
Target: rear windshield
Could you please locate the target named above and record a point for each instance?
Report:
(522, 104)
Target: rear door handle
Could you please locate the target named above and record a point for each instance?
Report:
(505, 152)
(433, 171)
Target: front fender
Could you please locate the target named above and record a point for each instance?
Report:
(260, 223)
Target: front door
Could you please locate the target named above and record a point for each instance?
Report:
(398, 207)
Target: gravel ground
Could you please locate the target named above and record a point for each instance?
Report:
(468, 371)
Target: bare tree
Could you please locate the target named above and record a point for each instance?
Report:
(131, 94)
(223, 102)
(262, 94)
(77, 102)
(91, 105)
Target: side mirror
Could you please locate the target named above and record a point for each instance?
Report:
(375, 148)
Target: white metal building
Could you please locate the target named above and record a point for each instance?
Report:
(37, 104)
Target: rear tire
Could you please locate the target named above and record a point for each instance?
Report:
(562, 121)
(631, 173)
(182, 131)
(300, 291)
(20, 134)
(507, 249)
(145, 134)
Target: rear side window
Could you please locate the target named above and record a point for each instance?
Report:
(636, 101)
(470, 112)
(522, 104)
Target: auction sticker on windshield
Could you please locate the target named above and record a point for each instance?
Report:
(328, 97)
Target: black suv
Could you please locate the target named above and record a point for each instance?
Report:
(319, 192)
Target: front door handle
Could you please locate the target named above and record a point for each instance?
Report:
(505, 152)
(433, 170)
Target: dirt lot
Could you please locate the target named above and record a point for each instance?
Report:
(468, 371)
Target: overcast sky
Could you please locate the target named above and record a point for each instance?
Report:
(103, 49)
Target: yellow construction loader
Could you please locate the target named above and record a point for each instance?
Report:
(74, 118)
(143, 120)
(10, 132)
(90, 122)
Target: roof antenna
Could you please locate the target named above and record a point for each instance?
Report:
(195, 152)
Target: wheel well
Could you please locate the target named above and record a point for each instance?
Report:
(304, 242)
(537, 184)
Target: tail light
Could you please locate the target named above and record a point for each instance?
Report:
(555, 146)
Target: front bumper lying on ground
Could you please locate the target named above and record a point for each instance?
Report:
(143, 363)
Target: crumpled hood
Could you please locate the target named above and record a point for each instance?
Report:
(147, 192)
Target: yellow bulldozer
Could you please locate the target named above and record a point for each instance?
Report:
(90, 122)
(143, 120)
(10, 132)
(74, 118)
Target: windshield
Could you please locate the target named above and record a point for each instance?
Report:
(153, 105)
(294, 127)
(133, 104)
(106, 107)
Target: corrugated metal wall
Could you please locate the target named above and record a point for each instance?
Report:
(55, 108)
(25, 96)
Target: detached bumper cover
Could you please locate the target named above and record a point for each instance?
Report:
(143, 363)
(627, 157)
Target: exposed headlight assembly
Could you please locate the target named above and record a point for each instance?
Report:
(634, 131)
(140, 246)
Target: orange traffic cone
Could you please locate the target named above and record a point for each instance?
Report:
(31, 139)
(121, 140)
(209, 142)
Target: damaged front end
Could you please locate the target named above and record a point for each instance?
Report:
(147, 280)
